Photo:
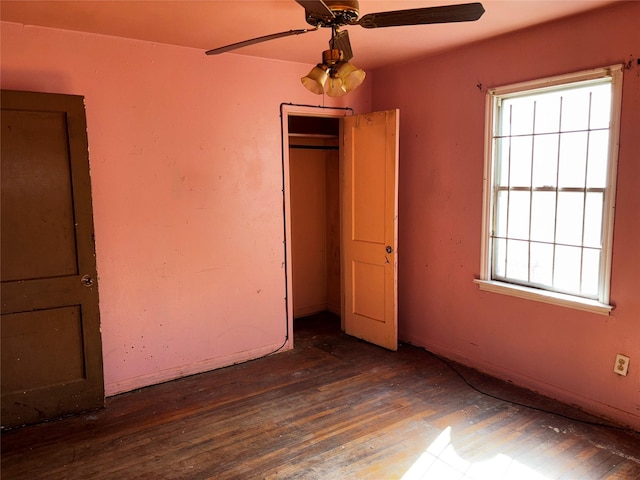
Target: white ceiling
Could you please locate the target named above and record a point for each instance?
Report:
(206, 24)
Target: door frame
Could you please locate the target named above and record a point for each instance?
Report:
(292, 110)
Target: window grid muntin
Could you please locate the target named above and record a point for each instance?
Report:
(498, 162)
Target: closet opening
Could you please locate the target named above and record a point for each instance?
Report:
(314, 219)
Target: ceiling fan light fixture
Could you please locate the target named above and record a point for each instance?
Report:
(315, 80)
(338, 76)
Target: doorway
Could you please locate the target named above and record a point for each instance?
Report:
(315, 214)
(311, 163)
(347, 229)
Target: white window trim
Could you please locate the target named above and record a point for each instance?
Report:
(485, 282)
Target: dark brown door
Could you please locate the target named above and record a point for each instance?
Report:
(50, 323)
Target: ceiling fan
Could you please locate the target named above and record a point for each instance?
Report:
(335, 71)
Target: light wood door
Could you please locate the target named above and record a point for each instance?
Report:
(50, 324)
(370, 219)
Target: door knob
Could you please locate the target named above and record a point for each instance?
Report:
(389, 249)
(87, 280)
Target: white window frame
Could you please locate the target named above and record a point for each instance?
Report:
(485, 282)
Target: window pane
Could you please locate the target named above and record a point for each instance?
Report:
(543, 211)
(569, 218)
(521, 110)
(547, 113)
(575, 110)
(600, 106)
(500, 215)
(593, 219)
(519, 215)
(499, 257)
(590, 271)
(549, 205)
(598, 155)
(573, 159)
(545, 161)
(566, 274)
(520, 161)
(518, 260)
(541, 264)
(502, 161)
(503, 116)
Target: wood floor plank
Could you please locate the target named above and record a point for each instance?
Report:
(332, 408)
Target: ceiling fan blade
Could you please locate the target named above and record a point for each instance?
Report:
(467, 12)
(340, 41)
(253, 41)
(316, 8)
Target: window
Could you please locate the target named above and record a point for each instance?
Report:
(550, 170)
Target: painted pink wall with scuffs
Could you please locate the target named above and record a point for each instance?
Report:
(560, 352)
(185, 155)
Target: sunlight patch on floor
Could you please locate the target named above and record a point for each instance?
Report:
(440, 461)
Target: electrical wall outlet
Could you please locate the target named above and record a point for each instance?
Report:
(622, 364)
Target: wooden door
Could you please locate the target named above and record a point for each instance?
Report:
(50, 325)
(370, 226)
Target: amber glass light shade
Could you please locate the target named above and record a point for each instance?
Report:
(315, 79)
(335, 87)
(352, 77)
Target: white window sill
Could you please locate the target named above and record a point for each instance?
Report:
(553, 298)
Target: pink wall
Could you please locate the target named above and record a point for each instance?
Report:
(185, 156)
(558, 351)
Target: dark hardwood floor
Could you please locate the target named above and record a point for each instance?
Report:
(332, 408)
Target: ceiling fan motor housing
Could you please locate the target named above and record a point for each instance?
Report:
(345, 11)
(331, 57)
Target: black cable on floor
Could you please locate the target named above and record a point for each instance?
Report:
(531, 407)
